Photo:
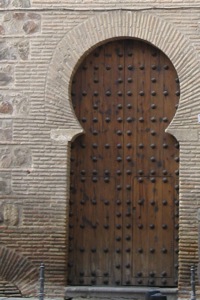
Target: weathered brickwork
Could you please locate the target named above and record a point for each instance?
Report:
(41, 46)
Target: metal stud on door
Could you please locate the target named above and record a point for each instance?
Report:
(124, 170)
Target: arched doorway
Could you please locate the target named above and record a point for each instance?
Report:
(123, 227)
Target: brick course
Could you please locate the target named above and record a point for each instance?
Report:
(41, 46)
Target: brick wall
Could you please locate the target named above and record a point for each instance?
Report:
(41, 44)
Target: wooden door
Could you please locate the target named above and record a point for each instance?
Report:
(123, 222)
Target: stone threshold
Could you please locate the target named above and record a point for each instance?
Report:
(118, 292)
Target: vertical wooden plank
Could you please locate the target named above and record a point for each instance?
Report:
(113, 136)
(128, 155)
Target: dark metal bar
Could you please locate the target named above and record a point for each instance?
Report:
(193, 293)
(41, 282)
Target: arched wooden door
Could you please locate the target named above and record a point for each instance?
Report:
(123, 223)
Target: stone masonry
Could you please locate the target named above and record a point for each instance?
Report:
(41, 46)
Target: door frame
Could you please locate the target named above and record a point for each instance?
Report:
(75, 45)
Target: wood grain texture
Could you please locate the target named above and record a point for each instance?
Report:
(124, 170)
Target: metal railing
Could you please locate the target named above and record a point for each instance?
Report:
(41, 282)
(148, 295)
(193, 292)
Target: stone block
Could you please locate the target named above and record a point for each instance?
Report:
(10, 214)
(5, 130)
(12, 104)
(30, 26)
(2, 30)
(5, 157)
(63, 136)
(21, 3)
(23, 49)
(21, 157)
(15, 3)
(19, 23)
(4, 78)
(15, 157)
(6, 75)
(6, 108)
(14, 50)
(5, 183)
(7, 52)
(1, 217)
(4, 3)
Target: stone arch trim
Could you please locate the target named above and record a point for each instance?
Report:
(78, 42)
(19, 270)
